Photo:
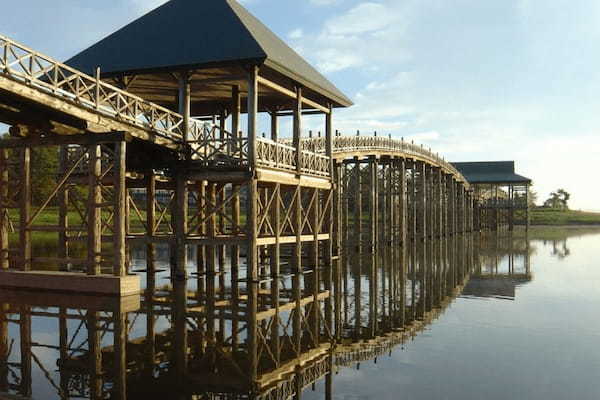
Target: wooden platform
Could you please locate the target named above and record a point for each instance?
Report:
(71, 282)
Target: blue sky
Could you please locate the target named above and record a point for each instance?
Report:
(475, 80)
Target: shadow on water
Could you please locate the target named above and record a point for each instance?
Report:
(54, 346)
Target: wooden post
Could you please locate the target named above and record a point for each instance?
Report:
(63, 204)
(181, 225)
(357, 217)
(120, 324)
(403, 239)
(236, 100)
(298, 273)
(119, 218)
(25, 387)
(422, 234)
(274, 258)
(252, 279)
(298, 130)
(95, 356)
(185, 106)
(235, 260)
(94, 210)
(4, 206)
(4, 346)
(25, 206)
(252, 114)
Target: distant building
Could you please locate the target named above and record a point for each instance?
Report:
(502, 194)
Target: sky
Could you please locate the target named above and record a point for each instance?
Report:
(474, 80)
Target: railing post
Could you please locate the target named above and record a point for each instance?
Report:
(329, 138)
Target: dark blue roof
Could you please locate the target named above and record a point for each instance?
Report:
(490, 172)
(200, 33)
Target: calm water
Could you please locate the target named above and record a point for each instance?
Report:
(525, 326)
(540, 343)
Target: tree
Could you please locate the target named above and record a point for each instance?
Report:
(558, 199)
(44, 167)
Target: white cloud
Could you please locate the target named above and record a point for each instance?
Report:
(296, 34)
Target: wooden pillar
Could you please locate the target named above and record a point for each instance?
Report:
(120, 205)
(402, 198)
(94, 210)
(274, 258)
(120, 324)
(298, 273)
(373, 238)
(211, 262)
(252, 114)
(25, 386)
(422, 235)
(25, 209)
(252, 280)
(358, 248)
(298, 130)
(95, 356)
(236, 100)
(413, 240)
(4, 346)
(315, 215)
(235, 264)
(181, 225)
(185, 108)
(4, 206)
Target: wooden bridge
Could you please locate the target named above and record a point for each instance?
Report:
(282, 227)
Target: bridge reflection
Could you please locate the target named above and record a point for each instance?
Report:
(173, 342)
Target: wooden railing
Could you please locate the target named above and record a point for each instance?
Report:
(47, 75)
(355, 144)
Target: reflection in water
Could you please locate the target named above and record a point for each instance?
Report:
(503, 264)
(187, 340)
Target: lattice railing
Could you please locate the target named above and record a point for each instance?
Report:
(349, 144)
(212, 146)
(47, 75)
(271, 154)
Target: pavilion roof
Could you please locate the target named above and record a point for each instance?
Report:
(490, 172)
(200, 34)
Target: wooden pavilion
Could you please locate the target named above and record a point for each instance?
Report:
(502, 195)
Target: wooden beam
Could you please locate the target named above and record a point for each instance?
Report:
(57, 140)
(291, 94)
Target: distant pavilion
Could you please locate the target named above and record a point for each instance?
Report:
(502, 194)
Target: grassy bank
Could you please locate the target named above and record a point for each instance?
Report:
(548, 216)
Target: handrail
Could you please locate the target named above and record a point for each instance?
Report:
(27, 66)
(352, 144)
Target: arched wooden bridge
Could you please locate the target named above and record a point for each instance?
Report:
(282, 229)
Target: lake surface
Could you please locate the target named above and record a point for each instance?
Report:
(541, 343)
(524, 326)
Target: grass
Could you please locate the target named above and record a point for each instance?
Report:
(549, 216)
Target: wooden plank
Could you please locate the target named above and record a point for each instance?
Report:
(71, 282)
